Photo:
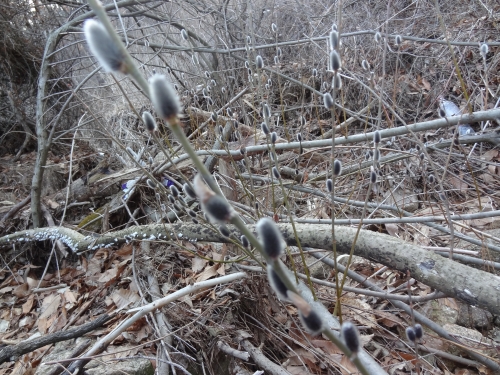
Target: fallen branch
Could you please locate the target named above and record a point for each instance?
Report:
(11, 353)
(258, 357)
(473, 286)
(140, 312)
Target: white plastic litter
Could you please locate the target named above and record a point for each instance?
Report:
(451, 109)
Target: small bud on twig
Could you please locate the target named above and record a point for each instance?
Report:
(244, 241)
(164, 98)
(276, 173)
(398, 40)
(103, 47)
(271, 238)
(309, 318)
(214, 206)
(224, 231)
(174, 191)
(329, 185)
(259, 62)
(419, 332)
(484, 50)
(328, 101)
(266, 110)
(337, 168)
(189, 192)
(373, 176)
(410, 334)
(334, 40)
(274, 137)
(335, 63)
(365, 65)
(336, 82)
(350, 335)
(277, 284)
(149, 121)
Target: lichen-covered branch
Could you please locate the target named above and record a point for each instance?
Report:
(473, 286)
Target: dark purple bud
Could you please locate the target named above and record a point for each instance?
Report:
(164, 98)
(265, 128)
(419, 332)
(244, 242)
(149, 122)
(174, 191)
(328, 101)
(189, 192)
(350, 335)
(277, 284)
(337, 168)
(329, 185)
(335, 62)
(224, 231)
(410, 334)
(215, 206)
(271, 238)
(276, 173)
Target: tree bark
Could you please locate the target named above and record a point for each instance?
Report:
(475, 287)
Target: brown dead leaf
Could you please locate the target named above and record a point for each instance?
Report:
(348, 365)
(21, 291)
(52, 205)
(50, 311)
(426, 84)
(28, 305)
(360, 311)
(124, 297)
(327, 346)
(490, 155)
(459, 184)
(207, 273)
(392, 229)
(198, 264)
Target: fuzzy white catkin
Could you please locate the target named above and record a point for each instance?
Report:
(337, 168)
(484, 50)
(334, 40)
(264, 128)
(336, 82)
(259, 62)
(270, 237)
(164, 98)
(328, 101)
(149, 121)
(335, 62)
(350, 334)
(103, 47)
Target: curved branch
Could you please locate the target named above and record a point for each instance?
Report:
(473, 286)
